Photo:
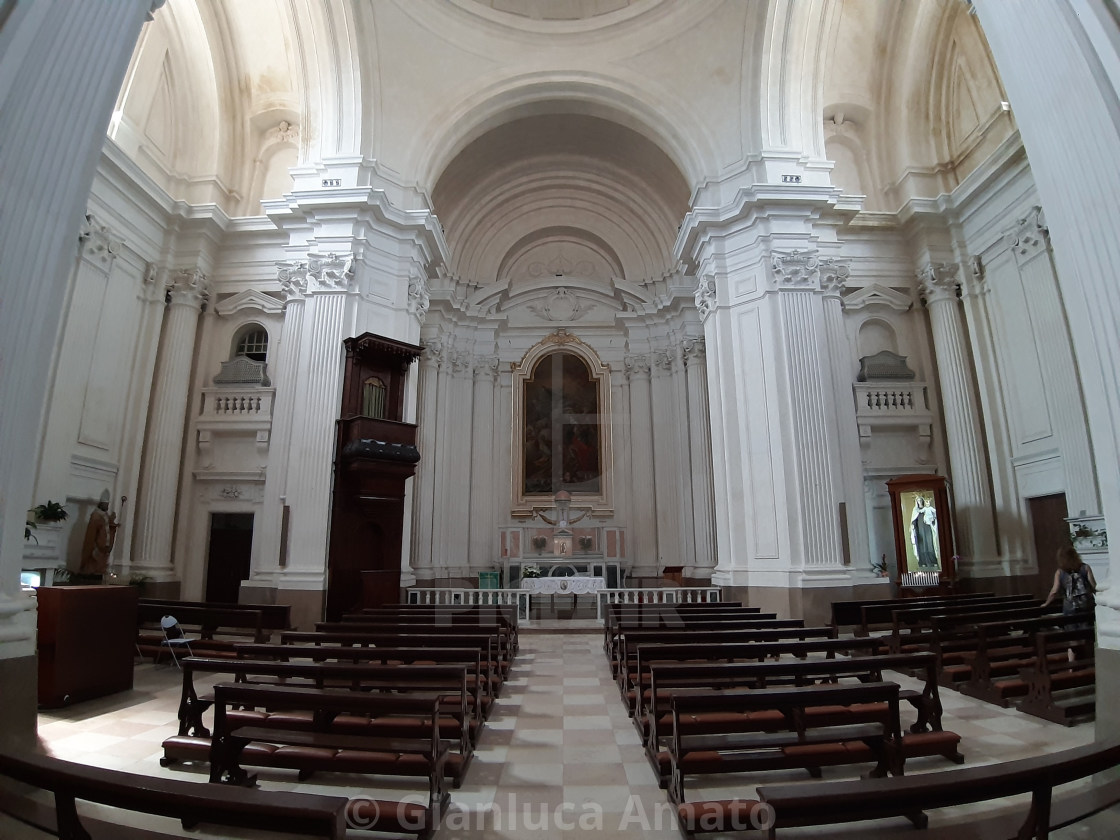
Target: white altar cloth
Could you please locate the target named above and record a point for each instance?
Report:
(563, 585)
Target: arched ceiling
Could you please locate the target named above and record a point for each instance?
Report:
(528, 191)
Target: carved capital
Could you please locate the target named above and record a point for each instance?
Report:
(292, 275)
(96, 242)
(419, 297)
(637, 365)
(1030, 236)
(974, 282)
(705, 296)
(188, 287)
(330, 273)
(433, 353)
(694, 351)
(939, 281)
(807, 270)
(664, 359)
(486, 367)
(461, 361)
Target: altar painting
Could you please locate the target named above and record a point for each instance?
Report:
(561, 446)
(920, 515)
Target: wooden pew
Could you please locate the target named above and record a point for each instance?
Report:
(911, 629)
(1061, 689)
(667, 677)
(678, 623)
(999, 650)
(503, 647)
(205, 622)
(770, 729)
(234, 744)
(192, 803)
(480, 675)
(832, 803)
(490, 643)
(613, 613)
(477, 613)
(457, 721)
(848, 613)
(626, 675)
(273, 616)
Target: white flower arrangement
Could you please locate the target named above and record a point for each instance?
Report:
(531, 572)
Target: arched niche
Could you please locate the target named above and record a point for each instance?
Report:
(561, 427)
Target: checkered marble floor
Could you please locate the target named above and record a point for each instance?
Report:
(558, 758)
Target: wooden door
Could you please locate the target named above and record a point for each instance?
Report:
(1051, 532)
(231, 548)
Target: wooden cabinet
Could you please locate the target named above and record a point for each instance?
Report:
(87, 640)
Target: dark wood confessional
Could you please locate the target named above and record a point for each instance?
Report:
(375, 453)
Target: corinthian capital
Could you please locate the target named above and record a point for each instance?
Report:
(808, 270)
(939, 281)
(96, 242)
(693, 351)
(292, 275)
(636, 366)
(330, 272)
(418, 296)
(705, 296)
(1030, 236)
(188, 287)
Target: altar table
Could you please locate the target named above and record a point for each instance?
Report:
(563, 585)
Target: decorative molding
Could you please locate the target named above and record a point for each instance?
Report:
(939, 281)
(96, 242)
(249, 299)
(285, 132)
(705, 296)
(561, 336)
(878, 295)
(561, 305)
(808, 270)
(1089, 534)
(433, 352)
(663, 359)
(460, 361)
(1030, 236)
(188, 287)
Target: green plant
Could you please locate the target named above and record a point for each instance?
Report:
(61, 575)
(50, 512)
(27, 535)
(531, 571)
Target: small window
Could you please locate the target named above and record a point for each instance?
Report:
(373, 398)
(253, 344)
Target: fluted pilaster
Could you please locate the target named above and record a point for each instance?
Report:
(644, 523)
(971, 498)
(483, 552)
(267, 559)
(428, 411)
(159, 476)
(700, 458)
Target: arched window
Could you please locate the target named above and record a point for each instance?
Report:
(373, 398)
(253, 343)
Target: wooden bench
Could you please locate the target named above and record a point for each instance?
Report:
(274, 617)
(912, 629)
(832, 803)
(998, 651)
(481, 614)
(192, 803)
(234, 744)
(773, 729)
(502, 646)
(456, 722)
(926, 737)
(662, 615)
(1061, 689)
(685, 624)
(630, 641)
(849, 613)
(480, 676)
(202, 624)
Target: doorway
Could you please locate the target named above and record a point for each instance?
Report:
(1051, 532)
(229, 556)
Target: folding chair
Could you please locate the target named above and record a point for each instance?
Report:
(174, 637)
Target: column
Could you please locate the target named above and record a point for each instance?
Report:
(428, 414)
(642, 530)
(972, 504)
(483, 528)
(61, 66)
(700, 459)
(683, 484)
(330, 287)
(268, 537)
(163, 446)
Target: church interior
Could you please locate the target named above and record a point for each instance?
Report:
(323, 306)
